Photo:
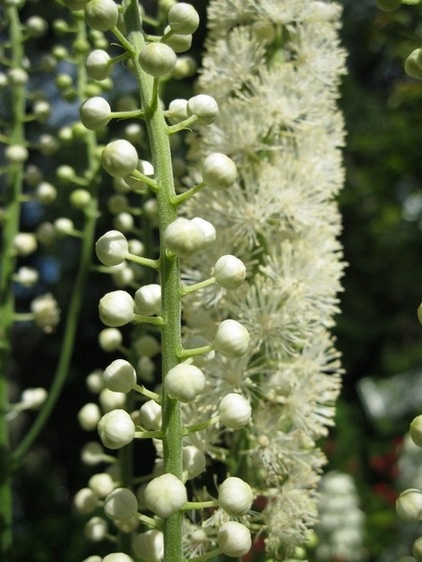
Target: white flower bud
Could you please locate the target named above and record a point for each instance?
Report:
(183, 18)
(231, 339)
(80, 198)
(95, 382)
(85, 501)
(93, 558)
(416, 431)
(124, 222)
(101, 15)
(165, 495)
(110, 339)
(36, 26)
(95, 529)
(95, 113)
(148, 299)
(34, 398)
(24, 243)
(149, 545)
(146, 369)
(26, 276)
(16, 154)
(101, 484)
(150, 415)
(409, 505)
(92, 453)
(116, 429)
(234, 411)
(116, 309)
(184, 382)
(89, 416)
(17, 77)
(194, 461)
(112, 248)
(157, 59)
(417, 549)
(45, 193)
(229, 272)
(41, 110)
(183, 237)
(234, 539)
(177, 111)
(207, 228)
(121, 504)
(117, 557)
(98, 64)
(147, 345)
(46, 312)
(219, 171)
(120, 376)
(235, 496)
(110, 400)
(204, 107)
(119, 158)
(64, 226)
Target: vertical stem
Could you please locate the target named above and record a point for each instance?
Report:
(169, 272)
(10, 229)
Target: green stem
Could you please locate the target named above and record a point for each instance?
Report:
(10, 229)
(172, 426)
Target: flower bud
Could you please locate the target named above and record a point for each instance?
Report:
(46, 312)
(117, 557)
(98, 64)
(413, 66)
(95, 529)
(183, 237)
(101, 15)
(388, 5)
(112, 248)
(165, 495)
(89, 416)
(157, 59)
(101, 484)
(121, 504)
(120, 376)
(183, 18)
(116, 429)
(119, 158)
(24, 243)
(234, 411)
(231, 339)
(148, 300)
(110, 400)
(177, 42)
(207, 228)
(92, 453)
(26, 276)
(194, 461)
(204, 107)
(235, 496)
(219, 171)
(177, 111)
(149, 545)
(45, 192)
(95, 113)
(150, 415)
(85, 501)
(116, 309)
(64, 226)
(110, 339)
(409, 505)
(184, 382)
(417, 549)
(234, 539)
(229, 272)
(416, 431)
(34, 398)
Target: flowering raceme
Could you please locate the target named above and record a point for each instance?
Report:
(274, 69)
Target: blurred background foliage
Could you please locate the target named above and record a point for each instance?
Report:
(377, 330)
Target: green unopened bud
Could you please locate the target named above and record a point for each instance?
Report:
(119, 158)
(98, 64)
(183, 18)
(409, 505)
(183, 237)
(95, 113)
(388, 5)
(204, 107)
(101, 15)
(157, 59)
(416, 431)
(413, 64)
